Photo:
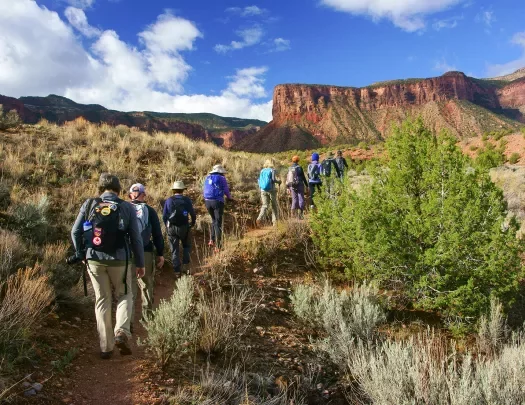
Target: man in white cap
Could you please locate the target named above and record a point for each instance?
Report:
(215, 188)
(175, 216)
(149, 227)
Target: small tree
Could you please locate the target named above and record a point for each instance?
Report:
(8, 119)
(430, 225)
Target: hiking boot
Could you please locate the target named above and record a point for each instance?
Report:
(211, 243)
(106, 355)
(121, 341)
(258, 222)
(178, 275)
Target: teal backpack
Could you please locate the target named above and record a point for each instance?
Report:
(265, 179)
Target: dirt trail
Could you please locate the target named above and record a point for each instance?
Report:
(117, 381)
(95, 381)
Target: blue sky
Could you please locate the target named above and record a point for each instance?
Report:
(225, 57)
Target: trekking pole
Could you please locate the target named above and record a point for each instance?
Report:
(84, 280)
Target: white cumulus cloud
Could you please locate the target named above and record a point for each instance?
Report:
(280, 45)
(248, 11)
(80, 3)
(406, 14)
(40, 54)
(77, 18)
(250, 36)
(510, 67)
(443, 66)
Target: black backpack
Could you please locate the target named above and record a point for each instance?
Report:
(105, 234)
(179, 216)
(327, 167)
(340, 163)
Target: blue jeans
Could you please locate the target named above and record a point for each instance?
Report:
(177, 236)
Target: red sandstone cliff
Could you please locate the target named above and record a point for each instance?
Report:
(325, 115)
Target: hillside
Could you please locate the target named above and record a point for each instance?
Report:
(224, 131)
(320, 115)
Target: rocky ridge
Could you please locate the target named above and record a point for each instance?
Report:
(306, 116)
(224, 131)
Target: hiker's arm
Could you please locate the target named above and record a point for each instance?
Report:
(336, 168)
(191, 210)
(137, 246)
(302, 176)
(275, 180)
(226, 188)
(156, 232)
(166, 211)
(77, 232)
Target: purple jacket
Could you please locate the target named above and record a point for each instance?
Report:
(223, 184)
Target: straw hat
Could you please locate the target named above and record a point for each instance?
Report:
(218, 169)
(178, 185)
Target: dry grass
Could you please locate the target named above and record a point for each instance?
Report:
(26, 295)
(12, 253)
(225, 316)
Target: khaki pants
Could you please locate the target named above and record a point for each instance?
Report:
(146, 284)
(104, 275)
(269, 197)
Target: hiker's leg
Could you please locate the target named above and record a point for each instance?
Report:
(265, 197)
(219, 214)
(210, 206)
(186, 247)
(275, 206)
(311, 187)
(174, 246)
(295, 201)
(121, 281)
(146, 284)
(134, 292)
(102, 287)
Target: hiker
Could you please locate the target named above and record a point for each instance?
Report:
(296, 183)
(341, 163)
(326, 171)
(175, 216)
(314, 177)
(100, 237)
(267, 182)
(149, 227)
(215, 188)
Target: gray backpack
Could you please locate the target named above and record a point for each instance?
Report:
(143, 222)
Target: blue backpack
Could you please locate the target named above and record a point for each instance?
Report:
(213, 188)
(265, 179)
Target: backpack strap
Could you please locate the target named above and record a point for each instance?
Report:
(88, 214)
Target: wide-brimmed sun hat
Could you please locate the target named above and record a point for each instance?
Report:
(218, 169)
(178, 185)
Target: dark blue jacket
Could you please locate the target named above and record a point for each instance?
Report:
(168, 208)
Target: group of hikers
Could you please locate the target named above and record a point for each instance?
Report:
(111, 235)
(298, 185)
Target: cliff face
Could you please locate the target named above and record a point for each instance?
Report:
(207, 127)
(336, 115)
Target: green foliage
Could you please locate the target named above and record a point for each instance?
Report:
(489, 157)
(173, 328)
(514, 158)
(429, 225)
(30, 219)
(8, 119)
(523, 131)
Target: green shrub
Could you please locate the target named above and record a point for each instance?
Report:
(8, 119)
(489, 157)
(429, 225)
(363, 145)
(473, 148)
(514, 158)
(173, 328)
(343, 317)
(30, 219)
